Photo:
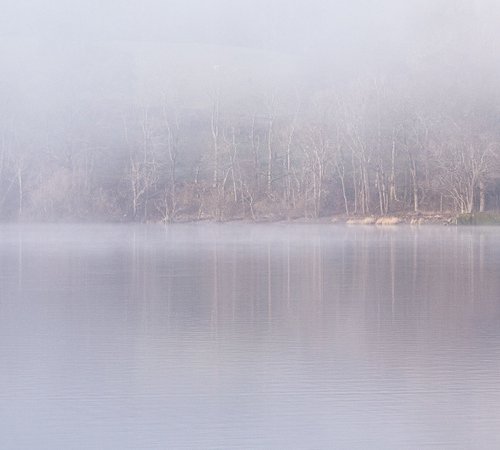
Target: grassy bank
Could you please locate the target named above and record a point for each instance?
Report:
(478, 219)
(484, 218)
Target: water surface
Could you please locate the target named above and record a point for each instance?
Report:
(239, 336)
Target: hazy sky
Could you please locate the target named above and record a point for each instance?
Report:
(317, 40)
(319, 33)
(284, 24)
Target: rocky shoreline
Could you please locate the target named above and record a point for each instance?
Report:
(483, 218)
(421, 219)
(447, 219)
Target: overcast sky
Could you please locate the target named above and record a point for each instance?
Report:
(317, 39)
(285, 24)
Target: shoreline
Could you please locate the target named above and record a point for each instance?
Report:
(427, 218)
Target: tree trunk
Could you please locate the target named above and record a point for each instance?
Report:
(482, 197)
(270, 155)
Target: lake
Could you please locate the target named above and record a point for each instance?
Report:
(249, 336)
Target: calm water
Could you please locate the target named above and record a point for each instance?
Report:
(249, 337)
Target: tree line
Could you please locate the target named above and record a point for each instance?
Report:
(369, 147)
(151, 131)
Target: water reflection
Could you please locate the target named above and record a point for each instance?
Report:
(226, 336)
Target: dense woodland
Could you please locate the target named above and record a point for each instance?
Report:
(107, 135)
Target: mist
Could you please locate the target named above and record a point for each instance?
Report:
(246, 109)
(185, 193)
